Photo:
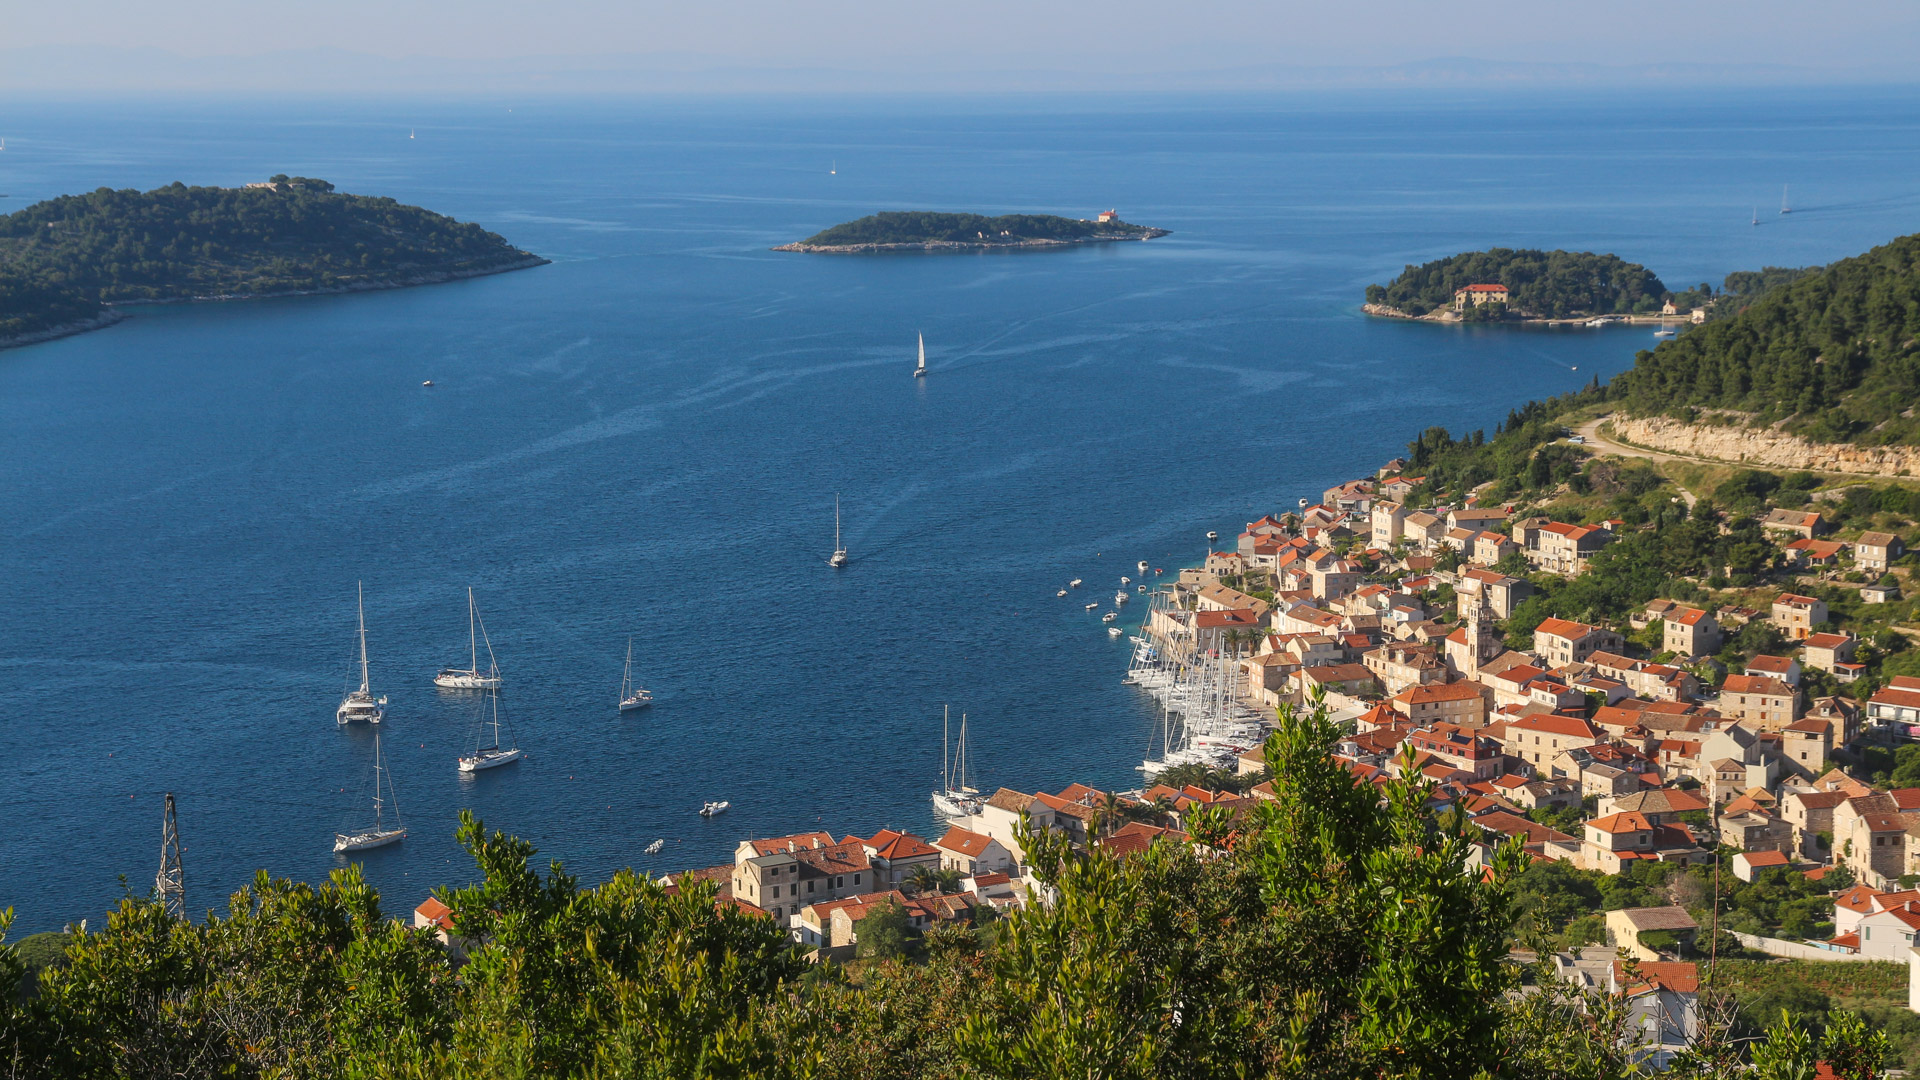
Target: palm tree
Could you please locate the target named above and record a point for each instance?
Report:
(932, 879)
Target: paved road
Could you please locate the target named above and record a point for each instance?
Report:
(1599, 443)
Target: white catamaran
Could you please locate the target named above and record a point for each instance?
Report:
(471, 677)
(955, 798)
(379, 835)
(632, 697)
(921, 371)
(361, 704)
(839, 557)
(486, 755)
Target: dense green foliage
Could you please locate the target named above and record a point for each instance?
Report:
(1543, 284)
(60, 259)
(1836, 352)
(1337, 930)
(922, 227)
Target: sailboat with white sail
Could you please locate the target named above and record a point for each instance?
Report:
(361, 704)
(380, 835)
(471, 677)
(955, 798)
(921, 371)
(839, 556)
(489, 753)
(632, 697)
(1784, 208)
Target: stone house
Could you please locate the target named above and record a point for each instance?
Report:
(1796, 616)
(1540, 738)
(1691, 632)
(1870, 837)
(1810, 813)
(1875, 551)
(1423, 529)
(1462, 703)
(1563, 641)
(1627, 924)
(1805, 746)
(1784, 668)
(1798, 523)
(782, 874)
(973, 853)
(1759, 702)
(1386, 524)
(1560, 548)
(1826, 651)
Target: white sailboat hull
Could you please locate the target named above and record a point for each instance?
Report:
(371, 839)
(350, 711)
(488, 759)
(466, 680)
(638, 701)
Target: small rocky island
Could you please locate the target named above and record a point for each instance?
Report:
(68, 264)
(905, 230)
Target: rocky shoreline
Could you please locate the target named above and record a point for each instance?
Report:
(1447, 315)
(968, 245)
(115, 311)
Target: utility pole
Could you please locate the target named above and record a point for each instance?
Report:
(169, 885)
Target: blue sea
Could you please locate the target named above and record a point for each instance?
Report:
(645, 440)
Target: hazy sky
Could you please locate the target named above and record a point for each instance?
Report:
(808, 33)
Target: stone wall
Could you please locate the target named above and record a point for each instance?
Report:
(1764, 447)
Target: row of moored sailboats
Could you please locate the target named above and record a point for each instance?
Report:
(490, 749)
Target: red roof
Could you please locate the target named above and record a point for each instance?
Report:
(435, 912)
(1565, 628)
(1756, 684)
(1759, 860)
(1484, 289)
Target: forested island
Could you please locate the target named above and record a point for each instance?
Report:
(1538, 285)
(903, 230)
(66, 262)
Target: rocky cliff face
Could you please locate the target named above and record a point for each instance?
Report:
(1764, 447)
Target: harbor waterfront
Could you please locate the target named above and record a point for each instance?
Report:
(644, 440)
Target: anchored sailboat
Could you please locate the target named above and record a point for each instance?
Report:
(471, 677)
(631, 696)
(839, 557)
(360, 704)
(379, 835)
(489, 754)
(921, 371)
(1784, 208)
(955, 797)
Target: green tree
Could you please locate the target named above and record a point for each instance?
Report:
(886, 933)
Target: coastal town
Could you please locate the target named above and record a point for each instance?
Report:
(1612, 749)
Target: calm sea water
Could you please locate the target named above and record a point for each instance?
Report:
(645, 439)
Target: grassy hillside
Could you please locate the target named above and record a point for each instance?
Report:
(1546, 284)
(62, 258)
(919, 227)
(1835, 351)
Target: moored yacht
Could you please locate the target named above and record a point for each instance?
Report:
(839, 556)
(471, 677)
(361, 704)
(955, 797)
(379, 835)
(490, 754)
(632, 697)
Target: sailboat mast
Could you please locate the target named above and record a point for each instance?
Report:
(836, 523)
(377, 822)
(362, 594)
(960, 755)
(473, 643)
(946, 768)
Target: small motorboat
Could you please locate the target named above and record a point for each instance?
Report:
(654, 848)
(1142, 565)
(1114, 631)
(713, 808)
(1121, 597)
(1093, 605)
(428, 382)
(1157, 571)
(1211, 535)
(1074, 584)
(1142, 590)
(1062, 592)
(1109, 616)
(1124, 579)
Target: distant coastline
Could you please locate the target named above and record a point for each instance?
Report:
(1448, 315)
(896, 230)
(74, 263)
